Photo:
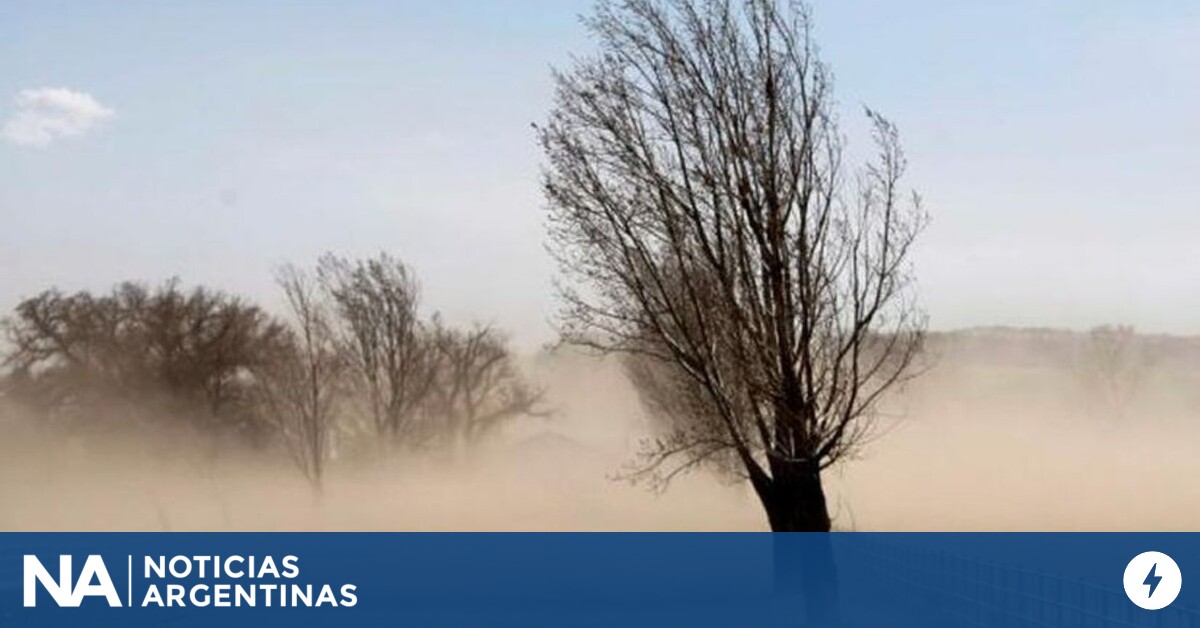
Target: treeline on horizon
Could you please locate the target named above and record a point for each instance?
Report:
(353, 366)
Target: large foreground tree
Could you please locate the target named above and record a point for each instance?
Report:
(707, 229)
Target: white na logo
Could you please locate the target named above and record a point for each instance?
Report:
(62, 591)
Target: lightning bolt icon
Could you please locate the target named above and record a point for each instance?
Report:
(1152, 580)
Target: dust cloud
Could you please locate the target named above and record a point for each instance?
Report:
(1003, 432)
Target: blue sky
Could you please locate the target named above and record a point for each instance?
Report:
(1056, 144)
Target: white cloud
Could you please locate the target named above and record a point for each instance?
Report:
(47, 114)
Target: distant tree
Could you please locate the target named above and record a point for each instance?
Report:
(173, 355)
(393, 363)
(423, 382)
(300, 384)
(1113, 364)
(478, 387)
(706, 227)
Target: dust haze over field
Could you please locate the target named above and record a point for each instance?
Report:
(689, 191)
(1003, 432)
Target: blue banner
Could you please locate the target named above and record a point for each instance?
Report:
(652, 579)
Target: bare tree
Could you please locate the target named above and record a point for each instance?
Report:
(299, 386)
(478, 387)
(393, 362)
(210, 361)
(706, 227)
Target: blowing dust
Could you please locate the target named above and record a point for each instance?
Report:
(986, 439)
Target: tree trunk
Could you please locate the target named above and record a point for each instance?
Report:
(794, 500)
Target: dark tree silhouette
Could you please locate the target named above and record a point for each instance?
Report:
(423, 383)
(706, 228)
(478, 387)
(173, 354)
(392, 361)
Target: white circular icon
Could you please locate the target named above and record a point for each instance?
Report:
(1152, 580)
